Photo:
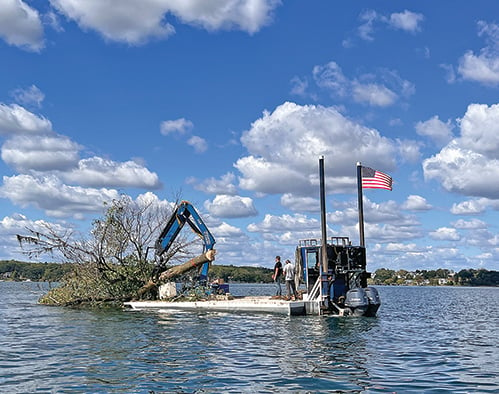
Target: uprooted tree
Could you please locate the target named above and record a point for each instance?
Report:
(116, 260)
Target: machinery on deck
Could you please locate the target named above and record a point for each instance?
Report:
(186, 213)
(342, 289)
(334, 271)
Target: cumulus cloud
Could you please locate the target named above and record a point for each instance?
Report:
(416, 203)
(382, 89)
(98, 172)
(373, 94)
(472, 224)
(483, 67)
(198, 143)
(55, 198)
(436, 130)
(474, 206)
(468, 163)
(301, 204)
(285, 145)
(40, 153)
(21, 26)
(177, 126)
(224, 185)
(136, 23)
(52, 176)
(15, 119)
(480, 130)
(231, 206)
(407, 20)
(445, 234)
(278, 224)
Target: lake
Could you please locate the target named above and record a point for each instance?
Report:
(424, 340)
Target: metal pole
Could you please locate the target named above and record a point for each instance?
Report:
(360, 204)
(323, 216)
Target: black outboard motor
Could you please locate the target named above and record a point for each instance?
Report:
(356, 300)
(374, 301)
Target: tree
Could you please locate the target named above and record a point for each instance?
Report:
(115, 260)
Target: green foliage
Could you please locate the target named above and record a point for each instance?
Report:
(230, 273)
(46, 272)
(469, 277)
(481, 277)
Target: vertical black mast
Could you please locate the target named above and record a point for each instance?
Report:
(323, 216)
(360, 203)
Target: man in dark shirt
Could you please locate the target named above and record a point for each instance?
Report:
(277, 275)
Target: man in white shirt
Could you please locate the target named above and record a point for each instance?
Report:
(289, 274)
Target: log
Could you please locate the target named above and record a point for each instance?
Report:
(192, 263)
(178, 270)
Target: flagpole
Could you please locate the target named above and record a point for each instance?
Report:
(360, 203)
(325, 267)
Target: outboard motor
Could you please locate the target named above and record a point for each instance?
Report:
(374, 301)
(356, 300)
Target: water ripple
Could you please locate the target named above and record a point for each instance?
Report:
(435, 340)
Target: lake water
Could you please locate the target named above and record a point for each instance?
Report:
(425, 339)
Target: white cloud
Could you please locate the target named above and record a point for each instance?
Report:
(330, 77)
(20, 25)
(436, 130)
(484, 67)
(480, 130)
(40, 152)
(373, 94)
(409, 150)
(470, 207)
(15, 119)
(198, 143)
(179, 126)
(245, 15)
(472, 224)
(99, 172)
(54, 197)
(416, 203)
(463, 171)
(406, 20)
(381, 90)
(301, 204)
(136, 23)
(299, 86)
(468, 163)
(365, 30)
(231, 206)
(29, 96)
(285, 145)
(278, 224)
(17, 224)
(445, 234)
(224, 185)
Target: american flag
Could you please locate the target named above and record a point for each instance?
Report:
(372, 179)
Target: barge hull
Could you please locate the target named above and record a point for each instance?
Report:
(240, 304)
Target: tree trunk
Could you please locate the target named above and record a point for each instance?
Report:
(192, 263)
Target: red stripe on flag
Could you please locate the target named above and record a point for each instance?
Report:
(373, 179)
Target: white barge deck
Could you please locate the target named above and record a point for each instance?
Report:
(237, 304)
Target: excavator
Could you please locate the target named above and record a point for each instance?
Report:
(185, 213)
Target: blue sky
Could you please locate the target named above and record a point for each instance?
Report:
(232, 102)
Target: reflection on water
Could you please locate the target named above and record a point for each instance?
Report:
(424, 340)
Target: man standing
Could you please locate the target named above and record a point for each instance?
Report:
(277, 275)
(289, 272)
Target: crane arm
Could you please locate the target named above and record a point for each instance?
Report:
(185, 213)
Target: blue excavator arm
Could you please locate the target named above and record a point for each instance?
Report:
(185, 213)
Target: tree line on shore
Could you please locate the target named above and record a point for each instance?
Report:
(54, 272)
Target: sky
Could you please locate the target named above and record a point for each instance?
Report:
(230, 104)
